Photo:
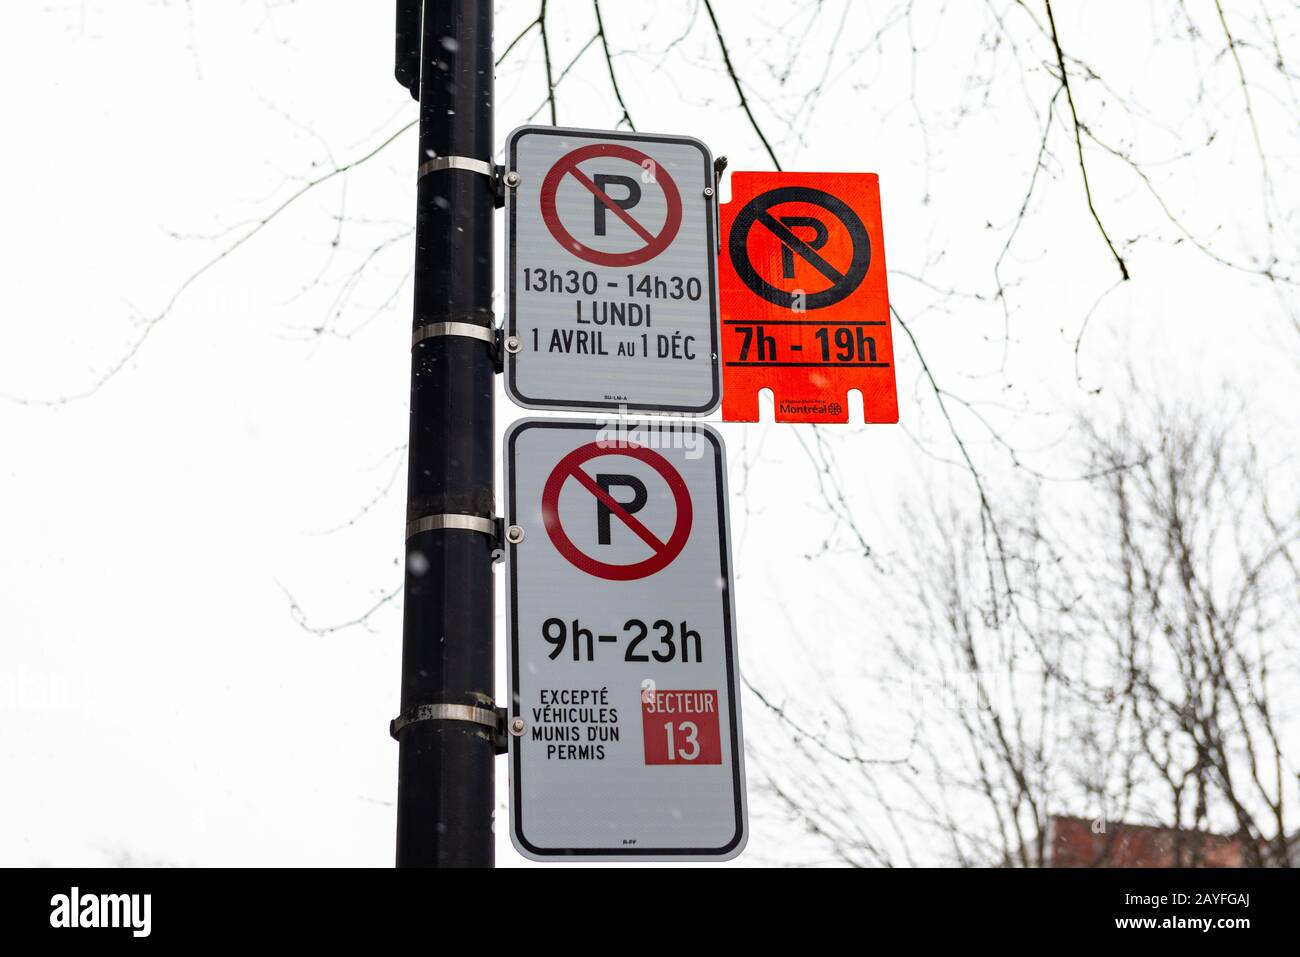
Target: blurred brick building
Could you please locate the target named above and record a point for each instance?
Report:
(1080, 842)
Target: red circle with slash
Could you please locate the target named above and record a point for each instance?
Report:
(654, 244)
(664, 552)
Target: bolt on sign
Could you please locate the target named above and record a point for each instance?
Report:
(805, 307)
(625, 735)
(611, 281)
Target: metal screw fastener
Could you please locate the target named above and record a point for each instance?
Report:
(518, 726)
(514, 534)
(512, 344)
(512, 179)
(708, 191)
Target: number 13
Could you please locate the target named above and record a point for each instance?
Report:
(692, 750)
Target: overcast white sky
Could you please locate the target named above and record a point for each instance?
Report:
(159, 697)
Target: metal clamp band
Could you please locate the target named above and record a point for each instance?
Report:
(468, 329)
(446, 712)
(468, 523)
(455, 162)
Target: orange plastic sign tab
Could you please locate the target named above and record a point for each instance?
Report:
(805, 307)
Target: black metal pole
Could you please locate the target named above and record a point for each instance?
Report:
(445, 793)
(406, 58)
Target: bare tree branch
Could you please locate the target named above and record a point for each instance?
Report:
(546, 59)
(735, 80)
(152, 322)
(1078, 140)
(609, 62)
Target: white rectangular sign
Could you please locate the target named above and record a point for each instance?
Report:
(624, 714)
(611, 271)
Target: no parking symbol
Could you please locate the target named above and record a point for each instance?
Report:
(629, 181)
(600, 486)
(826, 211)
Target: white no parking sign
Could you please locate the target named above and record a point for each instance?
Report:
(626, 739)
(611, 273)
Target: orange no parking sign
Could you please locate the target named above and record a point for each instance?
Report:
(805, 306)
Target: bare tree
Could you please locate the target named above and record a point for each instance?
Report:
(1142, 671)
(1197, 597)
